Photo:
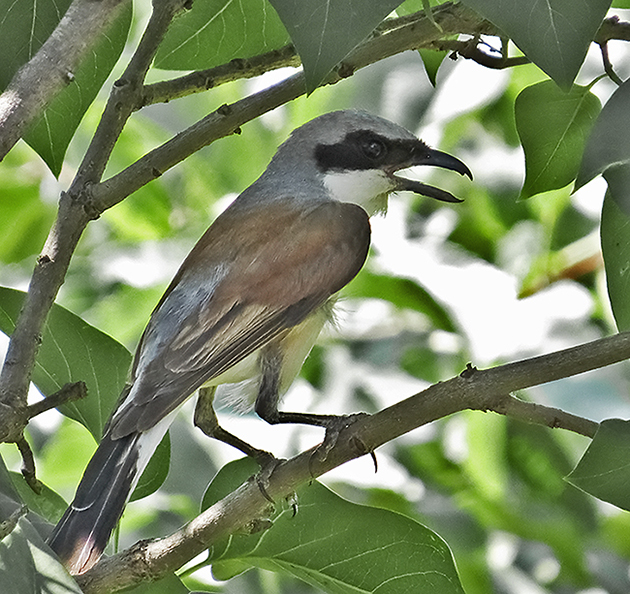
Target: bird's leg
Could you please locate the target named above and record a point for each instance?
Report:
(206, 419)
(267, 407)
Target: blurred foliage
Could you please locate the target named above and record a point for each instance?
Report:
(495, 278)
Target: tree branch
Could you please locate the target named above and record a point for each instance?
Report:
(73, 215)
(473, 389)
(412, 34)
(86, 199)
(35, 85)
(393, 36)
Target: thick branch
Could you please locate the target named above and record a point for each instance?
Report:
(52, 67)
(474, 390)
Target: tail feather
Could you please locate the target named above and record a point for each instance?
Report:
(81, 535)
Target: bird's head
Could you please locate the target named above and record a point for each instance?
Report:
(357, 155)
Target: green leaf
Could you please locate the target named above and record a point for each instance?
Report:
(432, 60)
(608, 146)
(51, 134)
(553, 127)
(72, 351)
(24, 26)
(604, 470)
(324, 32)
(28, 565)
(48, 504)
(554, 34)
(20, 203)
(342, 547)
(615, 235)
(214, 32)
(156, 471)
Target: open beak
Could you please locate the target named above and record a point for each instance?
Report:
(428, 156)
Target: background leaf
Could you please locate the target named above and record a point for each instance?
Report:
(72, 351)
(615, 236)
(214, 32)
(554, 34)
(325, 31)
(604, 470)
(608, 146)
(553, 127)
(51, 134)
(24, 26)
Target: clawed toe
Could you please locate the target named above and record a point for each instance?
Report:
(268, 463)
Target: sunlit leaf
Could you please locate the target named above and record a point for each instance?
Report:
(553, 127)
(326, 31)
(214, 32)
(403, 293)
(73, 351)
(604, 470)
(554, 34)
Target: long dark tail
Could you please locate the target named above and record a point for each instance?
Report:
(82, 533)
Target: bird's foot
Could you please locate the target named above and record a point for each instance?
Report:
(334, 427)
(268, 463)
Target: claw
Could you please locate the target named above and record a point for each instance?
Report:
(268, 463)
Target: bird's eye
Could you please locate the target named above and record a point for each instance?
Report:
(374, 148)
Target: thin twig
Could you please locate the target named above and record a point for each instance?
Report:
(68, 393)
(28, 465)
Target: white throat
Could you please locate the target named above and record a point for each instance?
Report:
(366, 187)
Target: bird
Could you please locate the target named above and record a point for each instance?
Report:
(248, 303)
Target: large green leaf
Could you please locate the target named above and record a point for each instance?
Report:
(24, 26)
(553, 127)
(72, 351)
(324, 32)
(51, 134)
(554, 34)
(156, 471)
(604, 470)
(608, 148)
(28, 565)
(214, 32)
(338, 546)
(615, 237)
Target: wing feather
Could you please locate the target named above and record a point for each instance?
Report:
(267, 269)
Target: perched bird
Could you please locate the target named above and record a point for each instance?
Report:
(249, 301)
